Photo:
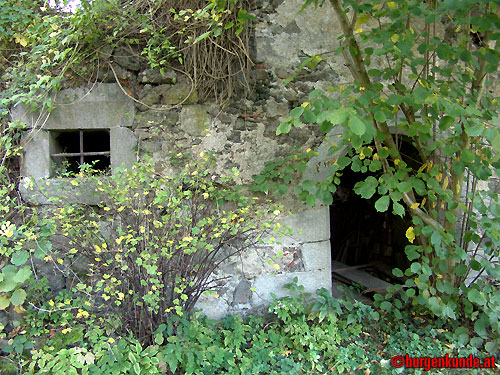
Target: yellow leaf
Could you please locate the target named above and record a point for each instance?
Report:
(414, 205)
(4, 302)
(21, 40)
(422, 168)
(391, 5)
(74, 183)
(19, 309)
(364, 18)
(395, 38)
(445, 182)
(410, 235)
(358, 30)
(60, 261)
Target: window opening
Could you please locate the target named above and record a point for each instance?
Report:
(71, 149)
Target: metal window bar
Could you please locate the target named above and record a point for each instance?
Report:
(81, 154)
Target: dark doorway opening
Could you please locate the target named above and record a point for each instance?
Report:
(360, 235)
(362, 238)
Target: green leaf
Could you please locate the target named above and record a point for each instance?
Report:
(491, 347)
(475, 297)
(382, 204)
(284, 128)
(131, 357)
(296, 112)
(356, 125)
(310, 200)
(415, 267)
(398, 209)
(18, 297)
(7, 285)
(310, 117)
(217, 31)
(481, 326)
(397, 272)
(203, 36)
(308, 185)
(366, 188)
(137, 368)
(380, 116)
(22, 275)
(386, 305)
(343, 162)
(338, 116)
(20, 257)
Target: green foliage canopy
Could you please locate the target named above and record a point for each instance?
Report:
(425, 71)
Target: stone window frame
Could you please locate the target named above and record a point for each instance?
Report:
(104, 107)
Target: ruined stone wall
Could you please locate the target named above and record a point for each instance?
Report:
(167, 117)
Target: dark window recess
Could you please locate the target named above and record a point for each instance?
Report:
(70, 149)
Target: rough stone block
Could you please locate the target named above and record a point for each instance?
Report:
(104, 107)
(175, 94)
(242, 292)
(195, 120)
(122, 143)
(127, 58)
(308, 226)
(317, 256)
(267, 284)
(37, 161)
(154, 119)
(212, 306)
(154, 76)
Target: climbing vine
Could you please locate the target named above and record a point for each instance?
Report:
(425, 70)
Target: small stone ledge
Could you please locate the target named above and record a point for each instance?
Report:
(69, 190)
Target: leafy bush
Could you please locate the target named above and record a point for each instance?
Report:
(154, 242)
(303, 335)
